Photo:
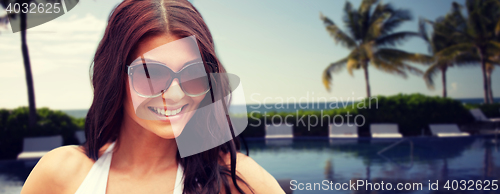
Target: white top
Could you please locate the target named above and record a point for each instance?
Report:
(96, 180)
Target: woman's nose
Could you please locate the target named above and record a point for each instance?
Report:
(174, 93)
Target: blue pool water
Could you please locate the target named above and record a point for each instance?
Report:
(414, 160)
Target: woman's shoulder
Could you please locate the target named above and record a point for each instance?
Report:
(61, 170)
(66, 160)
(253, 174)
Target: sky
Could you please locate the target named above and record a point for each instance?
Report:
(278, 48)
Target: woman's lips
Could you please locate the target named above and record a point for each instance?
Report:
(165, 112)
(169, 114)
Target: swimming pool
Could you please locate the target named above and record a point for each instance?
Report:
(316, 160)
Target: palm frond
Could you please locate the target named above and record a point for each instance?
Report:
(494, 44)
(434, 40)
(351, 18)
(395, 38)
(422, 29)
(419, 58)
(451, 52)
(413, 70)
(337, 34)
(364, 12)
(465, 59)
(332, 68)
(456, 7)
(395, 19)
(327, 79)
(387, 67)
(482, 18)
(375, 28)
(456, 21)
(352, 64)
(366, 5)
(397, 55)
(431, 72)
(337, 66)
(377, 13)
(394, 61)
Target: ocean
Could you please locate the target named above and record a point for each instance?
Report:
(286, 107)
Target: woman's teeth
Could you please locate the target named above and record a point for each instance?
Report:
(164, 112)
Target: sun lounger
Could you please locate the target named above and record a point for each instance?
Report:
(447, 130)
(385, 130)
(343, 131)
(36, 147)
(479, 116)
(278, 131)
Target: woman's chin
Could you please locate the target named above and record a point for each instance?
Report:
(168, 132)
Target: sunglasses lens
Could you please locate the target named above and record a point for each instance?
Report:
(150, 79)
(194, 79)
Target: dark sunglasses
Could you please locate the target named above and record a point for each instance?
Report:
(151, 79)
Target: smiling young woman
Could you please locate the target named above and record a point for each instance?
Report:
(150, 77)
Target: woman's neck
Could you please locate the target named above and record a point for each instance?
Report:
(141, 150)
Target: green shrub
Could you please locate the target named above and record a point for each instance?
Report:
(4, 114)
(79, 122)
(415, 112)
(14, 127)
(305, 123)
(6, 136)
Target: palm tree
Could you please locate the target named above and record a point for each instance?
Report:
(370, 35)
(490, 66)
(439, 40)
(26, 59)
(24, 48)
(475, 34)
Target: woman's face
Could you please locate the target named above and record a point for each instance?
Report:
(173, 99)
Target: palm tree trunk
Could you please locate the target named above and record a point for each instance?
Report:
(369, 170)
(27, 69)
(365, 69)
(485, 78)
(443, 79)
(488, 166)
(490, 87)
(445, 170)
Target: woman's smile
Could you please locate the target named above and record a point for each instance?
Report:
(166, 111)
(168, 114)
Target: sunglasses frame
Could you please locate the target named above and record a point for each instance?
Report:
(174, 75)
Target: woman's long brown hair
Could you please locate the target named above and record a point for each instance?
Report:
(130, 22)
